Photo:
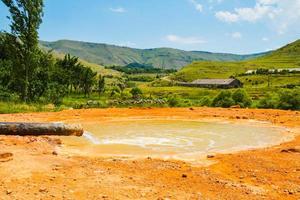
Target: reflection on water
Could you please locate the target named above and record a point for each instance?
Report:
(174, 137)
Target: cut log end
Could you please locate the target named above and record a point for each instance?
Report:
(39, 129)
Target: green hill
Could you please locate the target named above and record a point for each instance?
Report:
(104, 54)
(285, 57)
(95, 67)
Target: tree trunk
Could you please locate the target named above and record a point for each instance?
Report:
(38, 129)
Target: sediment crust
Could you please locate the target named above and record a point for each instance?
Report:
(34, 167)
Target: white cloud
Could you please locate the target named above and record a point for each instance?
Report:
(118, 10)
(282, 14)
(247, 14)
(236, 35)
(197, 5)
(184, 40)
(227, 16)
(265, 39)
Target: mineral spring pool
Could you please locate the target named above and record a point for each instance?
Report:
(176, 139)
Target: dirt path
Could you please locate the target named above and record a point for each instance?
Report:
(36, 170)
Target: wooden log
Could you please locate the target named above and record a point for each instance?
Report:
(38, 129)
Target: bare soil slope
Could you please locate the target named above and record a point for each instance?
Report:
(33, 168)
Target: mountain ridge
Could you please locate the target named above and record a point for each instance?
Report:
(168, 58)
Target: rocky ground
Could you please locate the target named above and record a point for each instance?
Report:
(33, 168)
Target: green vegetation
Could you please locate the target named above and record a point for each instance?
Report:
(110, 55)
(33, 79)
(29, 74)
(136, 68)
(285, 99)
(286, 57)
(136, 93)
(21, 49)
(265, 86)
(226, 99)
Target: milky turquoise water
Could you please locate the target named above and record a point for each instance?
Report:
(176, 138)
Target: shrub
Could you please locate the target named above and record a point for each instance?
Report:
(55, 93)
(241, 97)
(141, 78)
(289, 99)
(205, 101)
(115, 91)
(136, 93)
(7, 95)
(223, 99)
(269, 101)
(173, 101)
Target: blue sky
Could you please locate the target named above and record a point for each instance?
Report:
(231, 26)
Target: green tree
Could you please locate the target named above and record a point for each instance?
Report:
(26, 17)
(5, 73)
(101, 84)
(72, 69)
(115, 91)
(289, 99)
(87, 80)
(223, 99)
(241, 98)
(269, 101)
(136, 93)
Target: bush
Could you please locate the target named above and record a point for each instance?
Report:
(7, 95)
(115, 92)
(241, 97)
(136, 93)
(173, 101)
(55, 93)
(269, 101)
(141, 78)
(205, 101)
(223, 99)
(289, 99)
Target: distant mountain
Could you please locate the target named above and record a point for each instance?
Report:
(108, 55)
(285, 57)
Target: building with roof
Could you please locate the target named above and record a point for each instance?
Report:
(214, 83)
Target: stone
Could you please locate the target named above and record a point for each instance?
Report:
(291, 150)
(210, 156)
(5, 157)
(43, 190)
(184, 176)
(236, 106)
(8, 192)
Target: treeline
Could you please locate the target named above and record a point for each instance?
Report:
(137, 68)
(285, 99)
(30, 74)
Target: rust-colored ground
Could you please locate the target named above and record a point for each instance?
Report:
(37, 171)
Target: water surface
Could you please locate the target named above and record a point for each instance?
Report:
(178, 139)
